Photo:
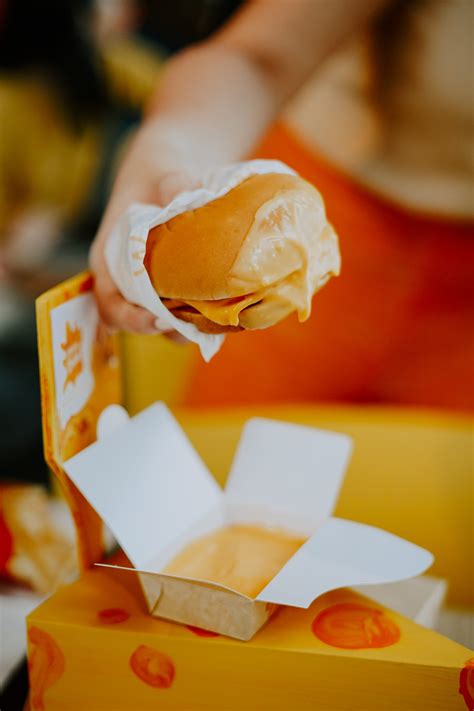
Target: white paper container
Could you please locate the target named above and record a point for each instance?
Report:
(420, 599)
(155, 494)
(125, 248)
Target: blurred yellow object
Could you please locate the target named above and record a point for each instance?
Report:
(34, 172)
(58, 173)
(132, 67)
(34, 551)
(155, 368)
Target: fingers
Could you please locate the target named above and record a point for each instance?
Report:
(176, 337)
(119, 314)
(114, 310)
(139, 180)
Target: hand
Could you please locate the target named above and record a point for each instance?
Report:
(213, 104)
(154, 171)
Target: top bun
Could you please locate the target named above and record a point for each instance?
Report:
(191, 256)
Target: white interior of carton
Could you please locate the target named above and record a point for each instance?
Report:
(156, 495)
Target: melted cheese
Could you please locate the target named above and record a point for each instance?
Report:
(290, 233)
(244, 558)
(225, 311)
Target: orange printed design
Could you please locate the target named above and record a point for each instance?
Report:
(79, 432)
(466, 683)
(152, 667)
(72, 348)
(353, 626)
(200, 632)
(46, 665)
(113, 615)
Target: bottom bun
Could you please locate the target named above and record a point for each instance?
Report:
(261, 315)
(264, 314)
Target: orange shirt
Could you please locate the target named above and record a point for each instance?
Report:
(396, 326)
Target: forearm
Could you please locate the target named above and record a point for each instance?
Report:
(214, 103)
(221, 95)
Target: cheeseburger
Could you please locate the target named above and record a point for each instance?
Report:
(246, 259)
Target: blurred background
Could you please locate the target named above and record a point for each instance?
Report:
(384, 129)
(75, 78)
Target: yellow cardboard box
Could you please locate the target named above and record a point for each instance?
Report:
(85, 652)
(149, 486)
(345, 653)
(157, 497)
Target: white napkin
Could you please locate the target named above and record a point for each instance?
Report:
(125, 248)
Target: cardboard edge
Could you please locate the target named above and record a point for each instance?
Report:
(88, 524)
(192, 581)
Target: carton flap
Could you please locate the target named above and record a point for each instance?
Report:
(79, 376)
(146, 481)
(344, 553)
(292, 469)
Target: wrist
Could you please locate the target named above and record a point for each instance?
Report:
(168, 141)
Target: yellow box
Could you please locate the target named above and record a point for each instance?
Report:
(85, 655)
(86, 652)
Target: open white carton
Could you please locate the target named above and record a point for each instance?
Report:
(156, 495)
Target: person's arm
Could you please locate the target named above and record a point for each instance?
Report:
(213, 104)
